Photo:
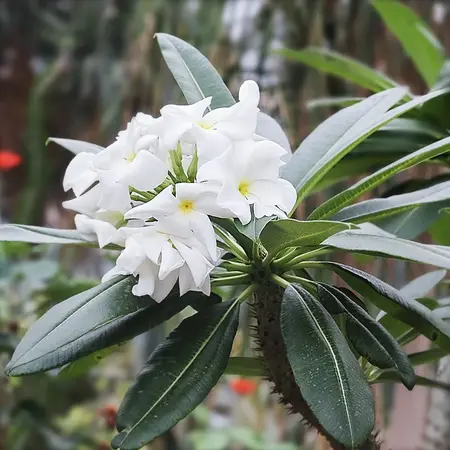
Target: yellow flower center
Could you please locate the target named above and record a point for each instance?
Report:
(130, 158)
(205, 125)
(186, 206)
(244, 188)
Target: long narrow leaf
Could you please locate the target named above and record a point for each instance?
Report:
(346, 197)
(340, 66)
(178, 376)
(415, 36)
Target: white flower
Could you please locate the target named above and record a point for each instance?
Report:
(217, 129)
(248, 174)
(190, 206)
(105, 227)
(159, 255)
(81, 173)
(129, 162)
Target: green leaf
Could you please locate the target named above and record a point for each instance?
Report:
(76, 146)
(352, 165)
(255, 227)
(340, 66)
(413, 222)
(340, 397)
(372, 240)
(178, 376)
(427, 356)
(346, 197)
(284, 233)
(389, 299)
(39, 235)
(387, 377)
(332, 102)
(415, 36)
(370, 338)
(378, 208)
(421, 286)
(195, 75)
(337, 136)
(93, 320)
(82, 366)
(247, 367)
(439, 229)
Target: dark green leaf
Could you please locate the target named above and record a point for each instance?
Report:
(193, 72)
(93, 320)
(178, 376)
(365, 333)
(390, 300)
(255, 227)
(340, 66)
(439, 229)
(284, 233)
(415, 36)
(325, 369)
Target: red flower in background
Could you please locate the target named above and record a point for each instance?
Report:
(9, 160)
(243, 386)
(109, 413)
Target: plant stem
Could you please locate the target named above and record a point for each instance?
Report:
(247, 293)
(232, 245)
(305, 256)
(234, 265)
(290, 254)
(280, 281)
(231, 281)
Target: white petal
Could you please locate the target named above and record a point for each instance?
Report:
(86, 203)
(196, 262)
(289, 195)
(210, 143)
(249, 92)
(145, 172)
(171, 260)
(115, 197)
(131, 257)
(230, 197)
(163, 204)
(203, 230)
(147, 273)
(104, 232)
(262, 161)
(113, 273)
(217, 169)
(194, 112)
(163, 287)
(262, 210)
(80, 173)
(152, 244)
(267, 192)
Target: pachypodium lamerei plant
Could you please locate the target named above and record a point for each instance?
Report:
(200, 198)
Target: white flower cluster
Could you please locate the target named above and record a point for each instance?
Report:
(155, 188)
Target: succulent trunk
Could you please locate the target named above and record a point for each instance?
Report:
(267, 304)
